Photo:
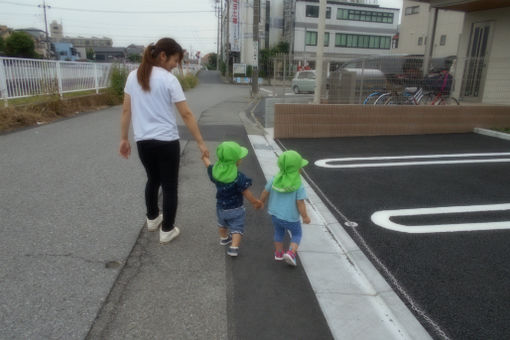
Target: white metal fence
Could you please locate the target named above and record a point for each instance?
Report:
(31, 77)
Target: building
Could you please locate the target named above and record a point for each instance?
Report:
(65, 51)
(413, 30)
(110, 54)
(353, 29)
(482, 72)
(81, 44)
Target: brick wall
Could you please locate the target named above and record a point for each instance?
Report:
(331, 120)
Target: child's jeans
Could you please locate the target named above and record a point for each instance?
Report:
(281, 225)
(233, 219)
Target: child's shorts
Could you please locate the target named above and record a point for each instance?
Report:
(280, 226)
(233, 219)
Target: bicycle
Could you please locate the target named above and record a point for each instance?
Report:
(409, 96)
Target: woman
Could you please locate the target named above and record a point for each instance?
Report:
(149, 98)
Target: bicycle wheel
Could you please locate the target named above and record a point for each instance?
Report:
(450, 101)
(383, 99)
(371, 98)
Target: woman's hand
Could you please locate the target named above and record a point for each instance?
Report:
(125, 148)
(203, 150)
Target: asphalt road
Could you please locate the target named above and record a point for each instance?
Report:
(77, 262)
(456, 283)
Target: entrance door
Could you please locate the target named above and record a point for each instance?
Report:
(476, 65)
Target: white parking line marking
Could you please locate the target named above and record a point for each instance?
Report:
(382, 219)
(325, 163)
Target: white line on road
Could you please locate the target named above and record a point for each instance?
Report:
(382, 219)
(325, 163)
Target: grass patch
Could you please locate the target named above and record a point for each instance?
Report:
(15, 117)
(505, 130)
(50, 97)
(188, 81)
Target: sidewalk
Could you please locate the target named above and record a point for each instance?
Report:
(190, 289)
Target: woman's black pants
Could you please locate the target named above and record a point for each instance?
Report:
(161, 162)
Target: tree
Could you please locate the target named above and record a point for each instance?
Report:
(211, 64)
(20, 44)
(2, 44)
(90, 53)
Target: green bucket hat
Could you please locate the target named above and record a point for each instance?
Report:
(289, 179)
(225, 169)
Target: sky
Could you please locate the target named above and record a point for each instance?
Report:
(193, 23)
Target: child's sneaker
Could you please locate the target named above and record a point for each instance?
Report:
(278, 255)
(226, 241)
(233, 251)
(290, 257)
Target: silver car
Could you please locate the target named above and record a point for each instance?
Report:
(304, 81)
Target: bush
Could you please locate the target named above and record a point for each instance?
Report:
(20, 44)
(223, 67)
(188, 81)
(118, 78)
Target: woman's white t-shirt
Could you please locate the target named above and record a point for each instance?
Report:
(153, 113)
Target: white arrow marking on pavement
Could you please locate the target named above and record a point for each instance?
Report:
(382, 219)
(324, 163)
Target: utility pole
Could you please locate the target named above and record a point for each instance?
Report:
(46, 27)
(217, 8)
(320, 52)
(227, 52)
(255, 69)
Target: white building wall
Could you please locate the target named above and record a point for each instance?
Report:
(415, 26)
(334, 25)
(497, 78)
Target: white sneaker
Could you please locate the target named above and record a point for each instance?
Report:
(153, 225)
(167, 236)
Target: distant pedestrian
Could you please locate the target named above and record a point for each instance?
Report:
(151, 96)
(286, 203)
(231, 186)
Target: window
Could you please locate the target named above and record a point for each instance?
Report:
(442, 41)
(311, 38)
(312, 11)
(420, 41)
(326, 39)
(368, 16)
(362, 41)
(412, 10)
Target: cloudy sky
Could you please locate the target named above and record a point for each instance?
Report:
(192, 23)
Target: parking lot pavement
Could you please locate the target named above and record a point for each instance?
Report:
(433, 216)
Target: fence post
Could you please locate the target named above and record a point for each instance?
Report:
(3, 83)
(59, 79)
(96, 81)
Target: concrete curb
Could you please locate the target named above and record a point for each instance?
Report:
(492, 133)
(354, 297)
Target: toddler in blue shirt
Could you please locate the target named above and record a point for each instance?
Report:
(286, 203)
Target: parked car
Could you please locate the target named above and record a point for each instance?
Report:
(304, 81)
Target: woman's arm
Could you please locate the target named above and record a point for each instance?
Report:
(125, 121)
(191, 124)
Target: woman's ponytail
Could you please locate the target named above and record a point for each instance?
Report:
(144, 70)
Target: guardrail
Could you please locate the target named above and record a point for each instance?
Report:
(32, 77)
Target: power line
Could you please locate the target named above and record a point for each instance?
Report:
(110, 11)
